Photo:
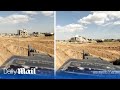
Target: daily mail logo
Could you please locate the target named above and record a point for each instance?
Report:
(20, 71)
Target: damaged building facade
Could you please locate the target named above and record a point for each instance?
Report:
(23, 33)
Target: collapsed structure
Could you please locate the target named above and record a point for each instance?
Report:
(80, 39)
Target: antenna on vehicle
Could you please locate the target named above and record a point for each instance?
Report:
(83, 54)
(28, 50)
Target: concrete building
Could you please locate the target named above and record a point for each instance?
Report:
(37, 34)
(4, 34)
(23, 33)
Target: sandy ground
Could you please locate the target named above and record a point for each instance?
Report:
(18, 46)
(109, 51)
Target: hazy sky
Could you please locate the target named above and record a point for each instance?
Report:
(89, 24)
(39, 21)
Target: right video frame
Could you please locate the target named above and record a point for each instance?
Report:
(87, 44)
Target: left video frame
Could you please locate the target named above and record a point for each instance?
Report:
(26, 44)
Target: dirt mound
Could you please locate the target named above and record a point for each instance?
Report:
(19, 46)
(109, 51)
